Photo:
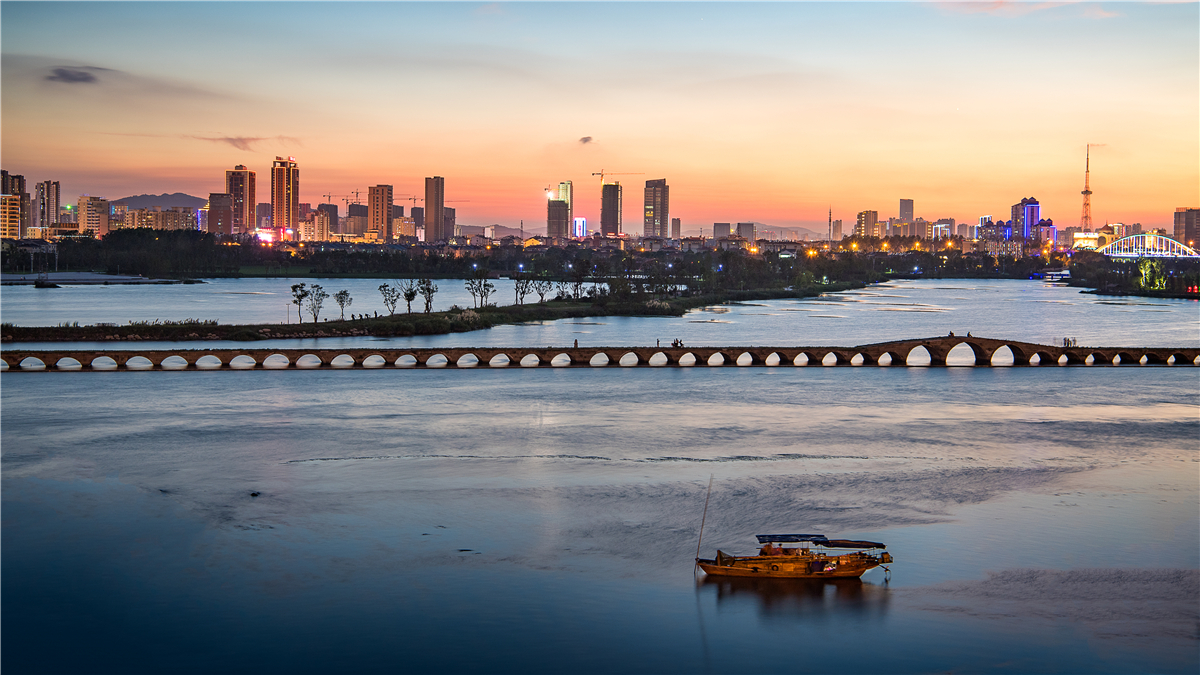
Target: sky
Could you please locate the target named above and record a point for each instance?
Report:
(766, 112)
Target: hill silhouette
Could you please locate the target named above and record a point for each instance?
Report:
(164, 200)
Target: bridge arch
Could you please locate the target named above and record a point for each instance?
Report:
(276, 362)
(468, 360)
(32, 363)
(716, 359)
(173, 362)
(67, 363)
(1147, 246)
(370, 361)
(599, 360)
(658, 359)
(688, 360)
(628, 359)
(561, 360)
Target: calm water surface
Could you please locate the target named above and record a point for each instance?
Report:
(1043, 520)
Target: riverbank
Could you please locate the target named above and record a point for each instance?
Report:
(85, 279)
(405, 324)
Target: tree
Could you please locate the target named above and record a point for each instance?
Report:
(299, 293)
(563, 288)
(409, 289)
(473, 287)
(486, 289)
(343, 299)
(427, 288)
(542, 287)
(391, 297)
(316, 298)
(522, 286)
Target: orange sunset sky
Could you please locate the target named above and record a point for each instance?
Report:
(768, 112)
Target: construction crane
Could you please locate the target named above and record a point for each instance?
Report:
(602, 173)
(411, 198)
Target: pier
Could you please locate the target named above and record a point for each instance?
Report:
(894, 354)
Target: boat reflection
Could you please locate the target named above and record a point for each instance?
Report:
(799, 598)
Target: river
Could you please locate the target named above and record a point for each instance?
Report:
(1042, 519)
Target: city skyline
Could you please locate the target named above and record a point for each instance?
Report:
(767, 113)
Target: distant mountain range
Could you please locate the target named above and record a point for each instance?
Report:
(164, 200)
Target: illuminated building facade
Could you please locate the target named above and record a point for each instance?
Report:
(610, 209)
(865, 225)
(93, 215)
(285, 197)
(657, 203)
(14, 185)
(566, 193)
(1025, 216)
(379, 199)
(46, 202)
(1185, 225)
(435, 210)
(239, 184)
(579, 227)
(10, 216)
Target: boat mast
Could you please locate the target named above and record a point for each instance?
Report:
(704, 517)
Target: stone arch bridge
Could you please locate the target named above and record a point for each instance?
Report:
(895, 353)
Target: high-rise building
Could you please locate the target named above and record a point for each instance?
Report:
(558, 220)
(610, 209)
(1185, 225)
(579, 227)
(46, 202)
(835, 229)
(262, 216)
(435, 214)
(93, 216)
(747, 231)
(657, 204)
(239, 184)
(331, 210)
(906, 210)
(566, 193)
(12, 184)
(379, 197)
(397, 211)
(358, 210)
(1025, 216)
(220, 213)
(720, 230)
(418, 216)
(10, 216)
(449, 225)
(865, 225)
(285, 197)
(676, 228)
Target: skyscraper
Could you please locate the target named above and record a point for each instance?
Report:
(379, 197)
(906, 210)
(1025, 216)
(676, 228)
(747, 231)
(566, 193)
(435, 210)
(558, 220)
(865, 225)
(46, 198)
(262, 216)
(1185, 229)
(239, 184)
(220, 213)
(93, 216)
(12, 184)
(657, 206)
(720, 230)
(331, 210)
(285, 196)
(610, 209)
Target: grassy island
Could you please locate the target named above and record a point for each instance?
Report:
(409, 324)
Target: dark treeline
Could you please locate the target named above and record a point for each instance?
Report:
(189, 253)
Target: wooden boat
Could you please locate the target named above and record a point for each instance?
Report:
(815, 558)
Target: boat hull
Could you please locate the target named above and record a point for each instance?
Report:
(791, 567)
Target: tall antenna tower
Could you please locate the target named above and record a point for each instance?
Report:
(830, 224)
(1085, 220)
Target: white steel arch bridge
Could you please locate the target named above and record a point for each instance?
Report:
(1147, 246)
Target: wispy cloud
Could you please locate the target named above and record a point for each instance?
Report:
(585, 140)
(76, 75)
(247, 143)
(1014, 8)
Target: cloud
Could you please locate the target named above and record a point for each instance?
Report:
(74, 75)
(246, 142)
(492, 8)
(585, 140)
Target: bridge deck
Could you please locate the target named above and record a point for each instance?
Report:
(883, 353)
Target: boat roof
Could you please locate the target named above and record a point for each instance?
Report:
(817, 539)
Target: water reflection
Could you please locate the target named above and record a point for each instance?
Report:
(803, 599)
